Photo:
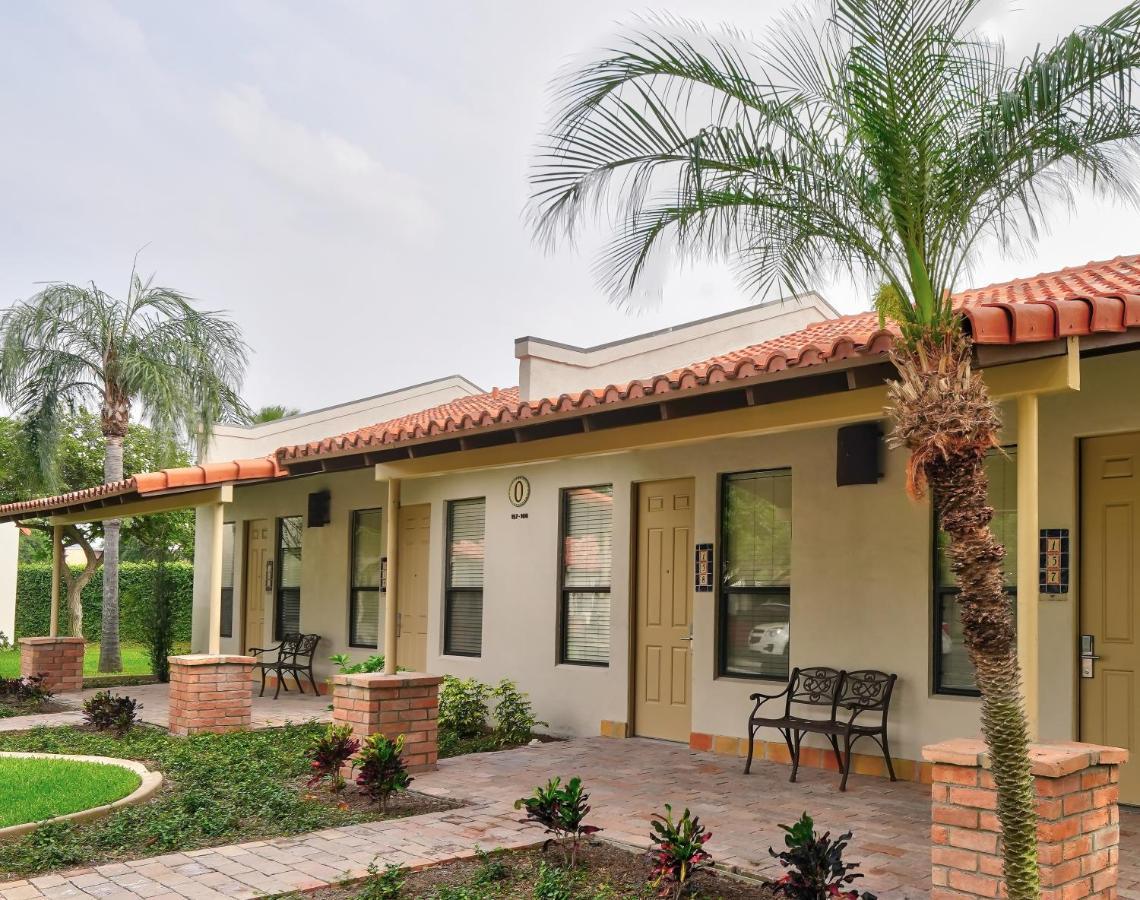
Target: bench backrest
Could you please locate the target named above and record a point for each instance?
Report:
(868, 690)
(815, 686)
(296, 647)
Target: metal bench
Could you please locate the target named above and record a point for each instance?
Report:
(294, 655)
(845, 697)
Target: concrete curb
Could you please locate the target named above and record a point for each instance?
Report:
(151, 781)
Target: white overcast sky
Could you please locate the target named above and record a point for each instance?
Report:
(346, 178)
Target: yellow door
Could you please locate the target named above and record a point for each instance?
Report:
(258, 580)
(1110, 597)
(413, 531)
(664, 633)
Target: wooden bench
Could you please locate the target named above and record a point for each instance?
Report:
(294, 656)
(849, 705)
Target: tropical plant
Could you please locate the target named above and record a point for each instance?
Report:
(890, 141)
(329, 752)
(677, 852)
(28, 689)
(345, 665)
(105, 711)
(380, 771)
(153, 351)
(562, 811)
(514, 718)
(272, 414)
(382, 884)
(463, 706)
(814, 864)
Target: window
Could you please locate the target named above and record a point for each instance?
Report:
(227, 627)
(463, 612)
(364, 587)
(587, 563)
(953, 672)
(288, 605)
(756, 574)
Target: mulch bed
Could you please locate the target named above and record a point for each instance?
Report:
(603, 871)
(353, 800)
(11, 709)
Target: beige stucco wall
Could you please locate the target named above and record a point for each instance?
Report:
(861, 569)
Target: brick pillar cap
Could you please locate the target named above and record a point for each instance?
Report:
(379, 679)
(1052, 759)
(210, 659)
(52, 640)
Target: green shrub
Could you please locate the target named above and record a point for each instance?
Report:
(382, 885)
(380, 769)
(514, 717)
(136, 601)
(463, 707)
(105, 711)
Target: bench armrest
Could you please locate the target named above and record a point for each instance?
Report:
(257, 651)
(761, 699)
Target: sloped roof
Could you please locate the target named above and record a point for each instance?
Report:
(150, 483)
(1094, 298)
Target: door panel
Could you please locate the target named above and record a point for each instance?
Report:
(258, 583)
(663, 669)
(412, 592)
(1110, 554)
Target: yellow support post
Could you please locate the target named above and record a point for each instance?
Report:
(215, 521)
(56, 577)
(390, 598)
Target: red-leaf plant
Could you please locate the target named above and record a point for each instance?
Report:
(678, 852)
(816, 870)
(328, 754)
(561, 811)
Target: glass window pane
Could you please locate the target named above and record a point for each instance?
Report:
(587, 628)
(757, 529)
(587, 544)
(366, 614)
(366, 548)
(955, 668)
(227, 625)
(465, 527)
(757, 634)
(289, 611)
(1001, 469)
(289, 575)
(464, 626)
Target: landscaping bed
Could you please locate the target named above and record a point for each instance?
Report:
(218, 789)
(603, 871)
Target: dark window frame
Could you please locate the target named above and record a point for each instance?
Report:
(226, 627)
(353, 588)
(449, 590)
(940, 594)
(278, 606)
(725, 591)
(564, 592)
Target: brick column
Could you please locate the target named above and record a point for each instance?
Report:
(58, 659)
(1077, 820)
(406, 703)
(210, 693)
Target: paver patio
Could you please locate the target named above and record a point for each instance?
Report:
(627, 780)
(155, 700)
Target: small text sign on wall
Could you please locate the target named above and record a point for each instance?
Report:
(703, 569)
(1054, 553)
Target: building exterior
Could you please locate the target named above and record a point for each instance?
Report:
(641, 557)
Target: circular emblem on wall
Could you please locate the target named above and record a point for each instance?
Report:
(519, 491)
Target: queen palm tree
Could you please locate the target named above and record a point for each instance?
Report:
(152, 352)
(886, 139)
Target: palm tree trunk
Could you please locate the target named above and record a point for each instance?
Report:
(944, 415)
(110, 659)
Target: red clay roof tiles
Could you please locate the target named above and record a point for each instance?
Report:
(148, 483)
(1080, 300)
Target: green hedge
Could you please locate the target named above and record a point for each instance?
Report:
(33, 601)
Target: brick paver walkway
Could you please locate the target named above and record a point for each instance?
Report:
(155, 700)
(627, 780)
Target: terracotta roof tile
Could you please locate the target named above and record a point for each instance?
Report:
(148, 483)
(1080, 300)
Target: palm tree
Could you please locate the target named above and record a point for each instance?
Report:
(272, 413)
(152, 351)
(888, 140)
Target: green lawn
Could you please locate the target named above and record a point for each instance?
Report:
(135, 661)
(35, 789)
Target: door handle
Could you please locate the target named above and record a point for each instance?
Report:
(1088, 656)
(689, 638)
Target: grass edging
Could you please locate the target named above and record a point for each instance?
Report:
(149, 783)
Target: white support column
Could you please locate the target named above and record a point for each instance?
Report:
(1028, 587)
(56, 576)
(390, 598)
(214, 516)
